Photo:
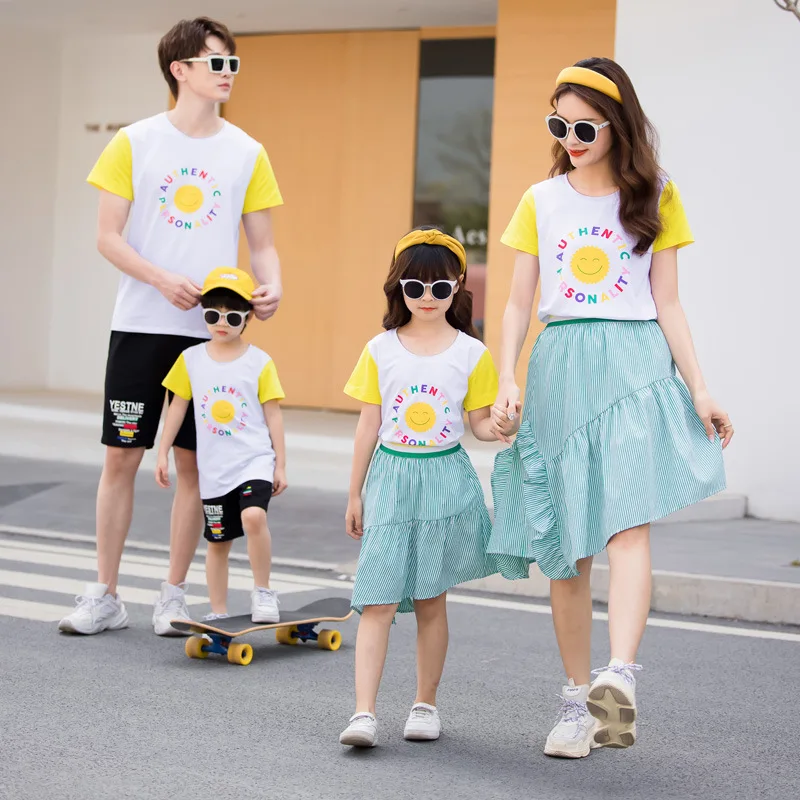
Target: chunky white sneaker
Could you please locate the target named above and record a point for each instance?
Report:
(212, 617)
(423, 723)
(95, 611)
(170, 604)
(361, 732)
(573, 734)
(264, 606)
(612, 702)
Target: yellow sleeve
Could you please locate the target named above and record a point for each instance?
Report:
(521, 233)
(177, 380)
(114, 169)
(675, 231)
(269, 386)
(262, 191)
(482, 385)
(363, 384)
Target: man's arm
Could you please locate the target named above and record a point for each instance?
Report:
(264, 262)
(111, 218)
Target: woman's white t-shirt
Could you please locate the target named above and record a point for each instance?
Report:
(423, 398)
(586, 261)
(233, 441)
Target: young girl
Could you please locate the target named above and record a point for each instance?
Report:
(423, 524)
(610, 438)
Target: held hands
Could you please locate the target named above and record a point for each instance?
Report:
(265, 300)
(713, 418)
(279, 484)
(182, 292)
(353, 518)
(506, 411)
(162, 471)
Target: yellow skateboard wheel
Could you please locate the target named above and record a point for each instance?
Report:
(287, 635)
(329, 640)
(194, 647)
(240, 654)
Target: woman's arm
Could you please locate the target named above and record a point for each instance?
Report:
(369, 424)
(672, 319)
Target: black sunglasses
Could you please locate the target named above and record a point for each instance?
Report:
(440, 290)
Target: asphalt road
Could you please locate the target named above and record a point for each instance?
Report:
(127, 715)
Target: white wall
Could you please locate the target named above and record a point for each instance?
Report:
(721, 80)
(28, 157)
(105, 80)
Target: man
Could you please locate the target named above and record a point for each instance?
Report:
(183, 180)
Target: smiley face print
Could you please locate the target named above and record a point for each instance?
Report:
(590, 264)
(420, 417)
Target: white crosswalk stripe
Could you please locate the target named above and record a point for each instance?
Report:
(41, 587)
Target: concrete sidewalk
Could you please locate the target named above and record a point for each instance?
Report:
(709, 560)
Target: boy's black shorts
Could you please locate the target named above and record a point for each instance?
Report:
(134, 397)
(224, 514)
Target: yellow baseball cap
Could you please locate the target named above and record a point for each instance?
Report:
(236, 280)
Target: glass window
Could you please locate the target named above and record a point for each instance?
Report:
(454, 144)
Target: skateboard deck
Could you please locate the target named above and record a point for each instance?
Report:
(294, 626)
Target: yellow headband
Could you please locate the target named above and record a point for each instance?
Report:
(591, 79)
(433, 236)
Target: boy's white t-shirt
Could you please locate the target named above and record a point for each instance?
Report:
(233, 441)
(586, 261)
(423, 398)
(188, 197)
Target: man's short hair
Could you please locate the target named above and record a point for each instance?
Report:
(187, 39)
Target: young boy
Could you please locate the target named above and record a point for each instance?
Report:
(241, 455)
(182, 181)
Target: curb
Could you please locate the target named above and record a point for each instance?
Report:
(684, 593)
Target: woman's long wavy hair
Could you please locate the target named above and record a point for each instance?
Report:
(427, 263)
(634, 151)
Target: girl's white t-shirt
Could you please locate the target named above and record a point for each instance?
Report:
(233, 441)
(586, 261)
(187, 198)
(423, 398)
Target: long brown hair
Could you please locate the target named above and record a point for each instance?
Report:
(633, 156)
(427, 263)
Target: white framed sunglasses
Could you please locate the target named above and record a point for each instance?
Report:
(217, 64)
(440, 290)
(233, 319)
(585, 131)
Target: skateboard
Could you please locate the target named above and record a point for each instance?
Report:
(294, 626)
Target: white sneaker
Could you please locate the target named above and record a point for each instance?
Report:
(423, 723)
(361, 732)
(573, 734)
(170, 604)
(264, 606)
(612, 702)
(212, 617)
(95, 612)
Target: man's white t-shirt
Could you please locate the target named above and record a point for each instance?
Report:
(586, 260)
(233, 441)
(188, 197)
(423, 398)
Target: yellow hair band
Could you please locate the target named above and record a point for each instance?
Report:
(433, 236)
(591, 79)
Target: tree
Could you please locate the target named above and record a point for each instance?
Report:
(789, 5)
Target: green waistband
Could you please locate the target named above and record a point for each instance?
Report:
(421, 452)
(592, 319)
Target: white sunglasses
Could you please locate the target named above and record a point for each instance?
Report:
(233, 319)
(440, 290)
(217, 64)
(585, 131)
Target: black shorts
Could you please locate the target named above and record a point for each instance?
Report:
(134, 397)
(224, 514)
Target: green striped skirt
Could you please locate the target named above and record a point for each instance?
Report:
(426, 527)
(609, 440)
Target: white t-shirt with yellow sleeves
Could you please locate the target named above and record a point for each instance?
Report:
(233, 441)
(586, 260)
(188, 196)
(423, 398)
